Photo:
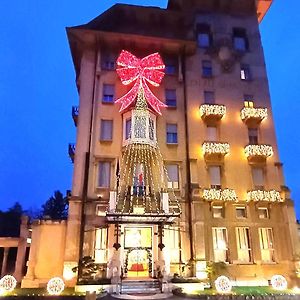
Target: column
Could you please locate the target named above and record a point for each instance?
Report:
(4, 262)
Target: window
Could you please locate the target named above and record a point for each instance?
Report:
(108, 93)
(248, 101)
(206, 68)
(240, 40)
(100, 210)
(266, 244)
(241, 212)
(151, 129)
(220, 244)
(170, 97)
(204, 36)
(127, 129)
(106, 130)
(253, 136)
(215, 177)
(172, 241)
(218, 212)
(211, 132)
(173, 176)
(140, 127)
(245, 72)
(108, 61)
(170, 65)
(263, 213)
(104, 174)
(100, 245)
(172, 134)
(243, 244)
(209, 97)
(258, 178)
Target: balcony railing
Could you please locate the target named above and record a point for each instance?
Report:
(75, 113)
(71, 151)
(261, 151)
(261, 195)
(219, 195)
(212, 111)
(252, 114)
(215, 148)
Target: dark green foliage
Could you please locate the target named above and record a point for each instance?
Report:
(10, 221)
(56, 207)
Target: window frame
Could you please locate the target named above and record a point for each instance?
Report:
(99, 186)
(111, 97)
(173, 184)
(245, 72)
(171, 102)
(207, 71)
(244, 208)
(238, 230)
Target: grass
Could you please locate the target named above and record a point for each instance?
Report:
(244, 290)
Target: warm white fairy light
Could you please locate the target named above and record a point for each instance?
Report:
(223, 285)
(212, 110)
(55, 286)
(260, 195)
(252, 112)
(8, 283)
(279, 283)
(215, 148)
(221, 195)
(258, 150)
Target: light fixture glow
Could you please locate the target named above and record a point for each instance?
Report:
(258, 150)
(221, 195)
(8, 283)
(212, 110)
(215, 148)
(279, 283)
(260, 195)
(252, 112)
(223, 285)
(55, 286)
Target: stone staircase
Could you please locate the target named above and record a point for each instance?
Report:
(149, 286)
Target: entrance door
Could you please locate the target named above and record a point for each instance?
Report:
(138, 263)
(138, 249)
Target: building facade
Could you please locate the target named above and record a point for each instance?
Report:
(204, 182)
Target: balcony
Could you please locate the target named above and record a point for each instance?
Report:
(252, 115)
(261, 195)
(75, 113)
(212, 112)
(219, 195)
(215, 150)
(71, 151)
(258, 152)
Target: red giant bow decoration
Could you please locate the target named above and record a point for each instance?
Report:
(143, 71)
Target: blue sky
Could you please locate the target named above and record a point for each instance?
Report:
(37, 90)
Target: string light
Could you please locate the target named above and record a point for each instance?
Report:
(215, 148)
(256, 113)
(8, 283)
(260, 195)
(223, 285)
(55, 286)
(212, 110)
(279, 283)
(150, 69)
(221, 195)
(259, 150)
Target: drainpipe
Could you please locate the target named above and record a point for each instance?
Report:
(86, 176)
(188, 167)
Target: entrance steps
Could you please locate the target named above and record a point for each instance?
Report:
(150, 286)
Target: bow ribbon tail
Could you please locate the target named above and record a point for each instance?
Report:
(129, 98)
(153, 101)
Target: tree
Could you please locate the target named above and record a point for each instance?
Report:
(10, 221)
(56, 207)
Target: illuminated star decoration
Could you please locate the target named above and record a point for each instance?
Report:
(141, 71)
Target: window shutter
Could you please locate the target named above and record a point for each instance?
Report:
(258, 177)
(106, 130)
(211, 133)
(104, 174)
(173, 173)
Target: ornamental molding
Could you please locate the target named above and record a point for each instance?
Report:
(219, 195)
(212, 110)
(255, 113)
(215, 148)
(261, 195)
(259, 150)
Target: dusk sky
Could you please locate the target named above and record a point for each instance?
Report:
(37, 91)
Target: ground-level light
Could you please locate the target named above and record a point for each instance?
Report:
(7, 284)
(55, 286)
(223, 285)
(278, 282)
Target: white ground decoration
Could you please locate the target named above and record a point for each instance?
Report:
(279, 282)
(8, 283)
(55, 286)
(223, 284)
